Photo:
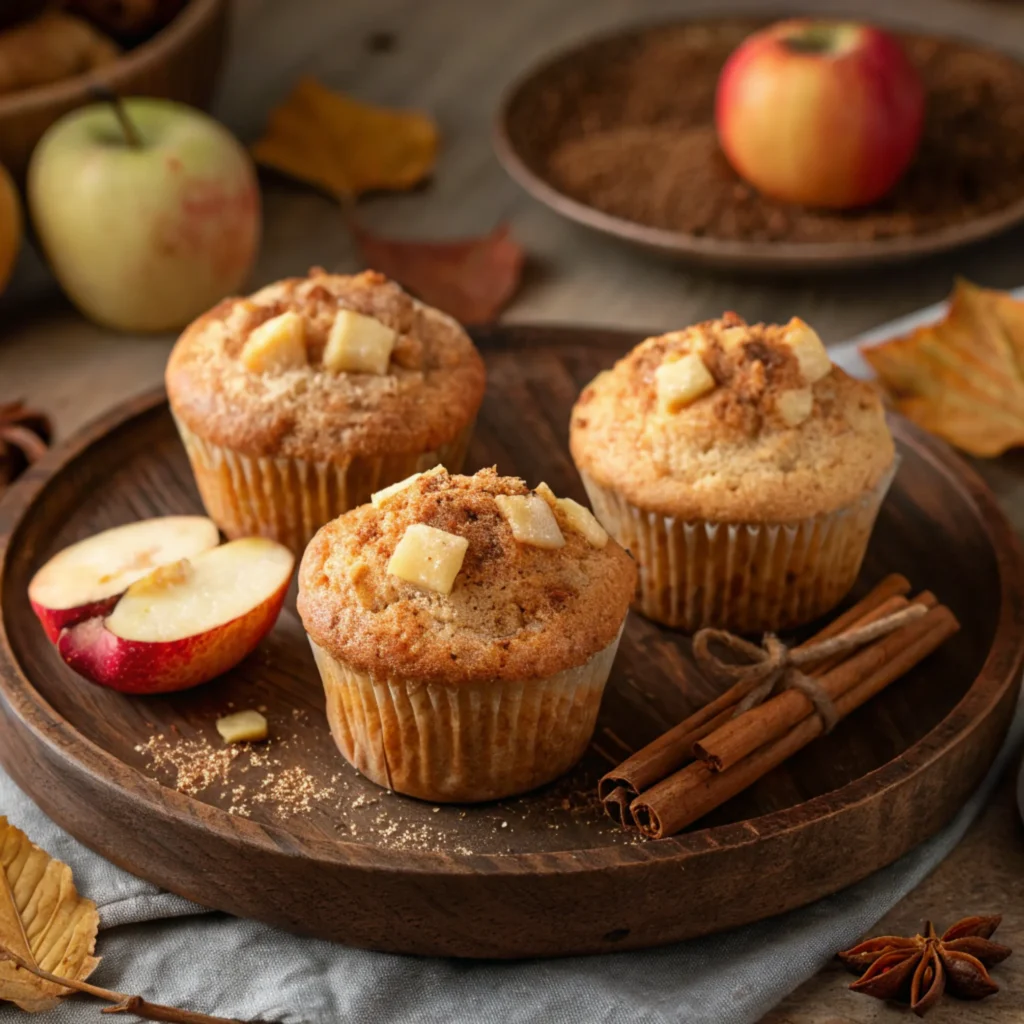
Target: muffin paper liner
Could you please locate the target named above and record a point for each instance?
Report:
(744, 577)
(288, 500)
(463, 742)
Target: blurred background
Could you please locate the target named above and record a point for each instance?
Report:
(454, 60)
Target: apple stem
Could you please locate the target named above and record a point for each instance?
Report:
(107, 95)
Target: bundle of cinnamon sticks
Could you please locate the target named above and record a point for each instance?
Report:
(725, 746)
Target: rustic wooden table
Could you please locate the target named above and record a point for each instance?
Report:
(453, 57)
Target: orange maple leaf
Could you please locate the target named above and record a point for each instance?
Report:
(345, 147)
(962, 378)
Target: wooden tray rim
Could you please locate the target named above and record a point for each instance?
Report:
(1001, 669)
(725, 252)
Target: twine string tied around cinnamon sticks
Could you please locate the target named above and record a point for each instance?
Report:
(776, 667)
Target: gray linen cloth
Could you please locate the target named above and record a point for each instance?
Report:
(171, 951)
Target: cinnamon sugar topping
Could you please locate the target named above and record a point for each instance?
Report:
(323, 368)
(509, 609)
(756, 424)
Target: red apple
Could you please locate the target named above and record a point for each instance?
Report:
(185, 622)
(820, 113)
(87, 578)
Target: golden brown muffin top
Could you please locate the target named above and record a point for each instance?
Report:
(779, 433)
(432, 387)
(515, 611)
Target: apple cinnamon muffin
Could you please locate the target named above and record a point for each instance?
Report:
(742, 469)
(464, 628)
(298, 402)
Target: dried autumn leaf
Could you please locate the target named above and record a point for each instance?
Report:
(329, 140)
(471, 279)
(43, 920)
(962, 378)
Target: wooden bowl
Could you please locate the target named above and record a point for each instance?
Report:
(542, 874)
(180, 62)
(532, 98)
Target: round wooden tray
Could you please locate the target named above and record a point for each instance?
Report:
(545, 874)
(526, 115)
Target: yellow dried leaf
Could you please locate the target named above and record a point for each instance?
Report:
(43, 920)
(345, 147)
(962, 378)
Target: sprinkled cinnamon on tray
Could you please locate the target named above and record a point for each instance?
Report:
(293, 790)
(196, 764)
(260, 780)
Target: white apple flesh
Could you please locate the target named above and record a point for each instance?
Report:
(144, 236)
(186, 623)
(87, 578)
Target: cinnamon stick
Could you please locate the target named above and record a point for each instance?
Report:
(670, 751)
(616, 805)
(893, 604)
(697, 789)
(663, 756)
(894, 585)
(742, 735)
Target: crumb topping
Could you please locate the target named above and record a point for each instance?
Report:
(748, 365)
(515, 610)
(763, 426)
(326, 366)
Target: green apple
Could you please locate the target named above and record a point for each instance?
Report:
(148, 211)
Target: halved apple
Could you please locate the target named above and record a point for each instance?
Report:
(184, 624)
(87, 578)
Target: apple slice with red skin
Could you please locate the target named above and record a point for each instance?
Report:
(186, 622)
(87, 578)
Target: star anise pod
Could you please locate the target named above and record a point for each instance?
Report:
(24, 434)
(917, 970)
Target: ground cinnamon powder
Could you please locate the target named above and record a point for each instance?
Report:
(626, 126)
